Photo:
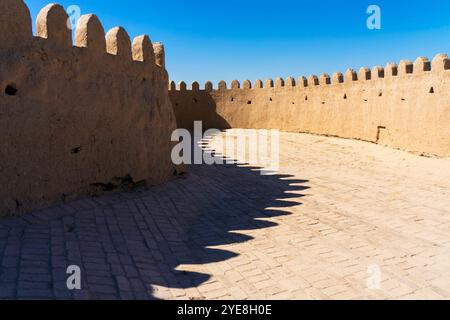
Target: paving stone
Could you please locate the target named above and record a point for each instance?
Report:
(123, 284)
(29, 293)
(7, 290)
(342, 220)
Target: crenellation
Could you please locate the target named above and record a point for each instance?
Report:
(118, 43)
(195, 86)
(143, 51)
(258, 84)
(365, 74)
(290, 82)
(172, 86)
(325, 79)
(422, 64)
(160, 54)
(279, 83)
(350, 75)
(247, 85)
(209, 86)
(313, 80)
(302, 82)
(182, 86)
(222, 85)
(15, 24)
(90, 34)
(377, 72)
(51, 24)
(440, 63)
(337, 78)
(235, 84)
(391, 70)
(354, 105)
(81, 118)
(405, 67)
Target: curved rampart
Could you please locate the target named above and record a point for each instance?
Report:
(76, 118)
(404, 106)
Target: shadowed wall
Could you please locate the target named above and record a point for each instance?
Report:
(78, 119)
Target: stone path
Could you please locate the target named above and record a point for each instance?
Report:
(342, 220)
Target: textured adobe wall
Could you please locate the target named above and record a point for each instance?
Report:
(75, 119)
(405, 106)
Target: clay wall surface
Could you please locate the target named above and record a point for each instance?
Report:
(404, 106)
(78, 116)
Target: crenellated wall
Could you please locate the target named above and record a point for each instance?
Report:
(78, 116)
(405, 106)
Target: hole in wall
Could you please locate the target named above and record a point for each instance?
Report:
(232, 99)
(345, 96)
(323, 102)
(293, 102)
(76, 150)
(379, 130)
(403, 99)
(11, 89)
(195, 100)
(380, 94)
(270, 99)
(249, 102)
(431, 90)
(365, 100)
(176, 104)
(306, 98)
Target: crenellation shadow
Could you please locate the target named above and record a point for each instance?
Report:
(238, 198)
(133, 245)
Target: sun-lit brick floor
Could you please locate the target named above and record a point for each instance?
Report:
(339, 216)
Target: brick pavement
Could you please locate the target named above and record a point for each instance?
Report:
(343, 220)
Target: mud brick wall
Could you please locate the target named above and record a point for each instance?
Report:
(404, 106)
(78, 115)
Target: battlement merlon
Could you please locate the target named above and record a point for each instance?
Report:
(404, 105)
(52, 25)
(78, 108)
(440, 63)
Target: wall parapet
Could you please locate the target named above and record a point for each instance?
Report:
(78, 115)
(52, 25)
(404, 105)
(440, 63)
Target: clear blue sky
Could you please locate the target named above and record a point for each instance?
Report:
(236, 39)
